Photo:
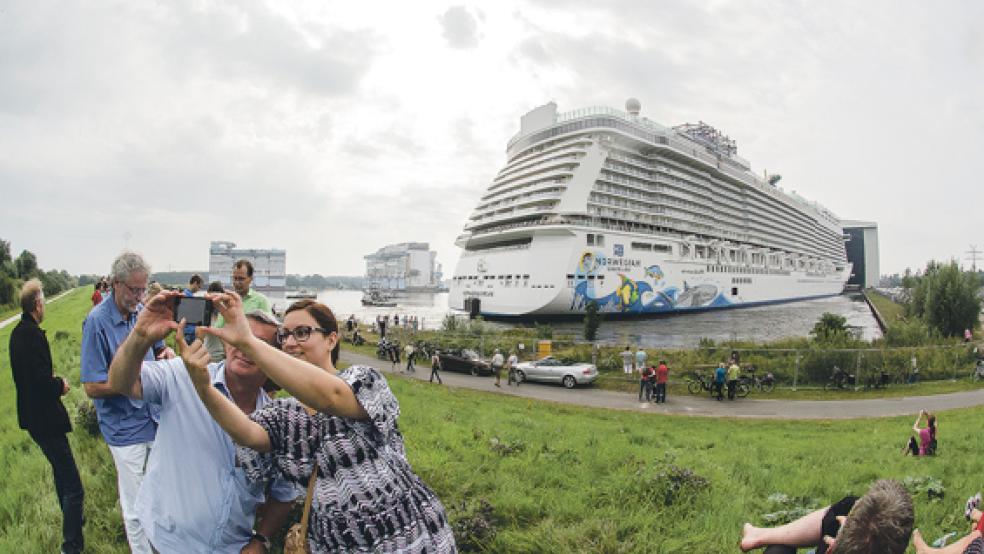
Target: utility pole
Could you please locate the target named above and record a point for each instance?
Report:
(974, 254)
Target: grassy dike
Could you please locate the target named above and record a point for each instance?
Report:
(524, 476)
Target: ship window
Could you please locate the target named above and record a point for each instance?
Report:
(734, 291)
(591, 277)
(642, 246)
(570, 275)
(600, 240)
(591, 239)
(662, 248)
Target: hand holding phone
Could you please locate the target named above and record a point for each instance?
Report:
(195, 310)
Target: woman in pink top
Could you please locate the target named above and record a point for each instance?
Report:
(927, 434)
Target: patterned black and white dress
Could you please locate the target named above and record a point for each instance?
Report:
(366, 496)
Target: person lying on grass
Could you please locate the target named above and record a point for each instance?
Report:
(972, 543)
(878, 522)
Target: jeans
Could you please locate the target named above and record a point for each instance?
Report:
(434, 373)
(660, 392)
(645, 390)
(131, 464)
(410, 362)
(732, 385)
(68, 487)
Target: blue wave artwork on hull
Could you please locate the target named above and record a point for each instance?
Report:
(639, 297)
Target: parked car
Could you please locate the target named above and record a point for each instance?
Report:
(465, 360)
(552, 370)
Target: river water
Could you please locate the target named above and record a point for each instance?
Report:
(760, 324)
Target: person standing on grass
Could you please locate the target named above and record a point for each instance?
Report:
(511, 363)
(411, 355)
(640, 359)
(194, 498)
(41, 413)
(497, 363)
(627, 360)
(436, 367)
(128, 426)
(719, 376)
(662, 374)
(733, 373)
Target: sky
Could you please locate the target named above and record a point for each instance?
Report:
(331, 129)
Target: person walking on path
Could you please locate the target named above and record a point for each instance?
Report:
(646, 375)
(733, 373)
(662, 374)
(640, 359)
(436, 367)
(411, 356)
(41, 413)
(627, 360)
(719, 377)
(128, 426)
(511, 364)
(194, 498)
(497, 363)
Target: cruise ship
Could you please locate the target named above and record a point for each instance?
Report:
(606, 206)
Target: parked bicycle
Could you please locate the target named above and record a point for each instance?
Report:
(699, 383)
(764, 384)
(979, 371)
(878, 379)
(840, 380)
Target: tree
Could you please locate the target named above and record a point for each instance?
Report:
(830, 328)
(26, 264)
(4, 251)
(945, 298)
(592, 320)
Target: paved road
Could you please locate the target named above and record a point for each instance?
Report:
(17, 317)
(700, 405)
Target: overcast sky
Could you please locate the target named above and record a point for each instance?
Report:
(330, 129)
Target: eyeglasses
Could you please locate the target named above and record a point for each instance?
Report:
(300, 333)
(136, 291)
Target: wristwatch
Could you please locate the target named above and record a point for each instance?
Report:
(262, 538)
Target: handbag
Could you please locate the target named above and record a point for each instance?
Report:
(296, 540)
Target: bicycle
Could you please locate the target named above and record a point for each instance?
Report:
(699, 383)
(882, 380)
(764, 384)
(840, 380)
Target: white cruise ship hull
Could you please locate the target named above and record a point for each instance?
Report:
(557, 273)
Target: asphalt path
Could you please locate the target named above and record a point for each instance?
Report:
(17, 317)
(694, 405)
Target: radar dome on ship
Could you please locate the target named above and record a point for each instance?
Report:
(633, 106)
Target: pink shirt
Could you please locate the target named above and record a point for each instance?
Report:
(924, 440)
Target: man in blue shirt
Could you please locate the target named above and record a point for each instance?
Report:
(194, 499)
(128, 426)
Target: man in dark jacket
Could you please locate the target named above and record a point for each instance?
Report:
(41, 413)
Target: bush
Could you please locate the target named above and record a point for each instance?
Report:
(591, 321)
(86, 419)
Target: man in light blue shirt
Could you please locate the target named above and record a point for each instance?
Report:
(194, 499)
(127, 425)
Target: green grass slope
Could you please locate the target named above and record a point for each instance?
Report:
(523, 476)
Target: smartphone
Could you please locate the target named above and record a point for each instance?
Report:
(194, 309)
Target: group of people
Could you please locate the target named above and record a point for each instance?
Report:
(727, 375)
(382, 323)
(206, 460)
(652, 383)
(499, 363)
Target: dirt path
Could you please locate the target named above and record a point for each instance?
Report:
(700, 405)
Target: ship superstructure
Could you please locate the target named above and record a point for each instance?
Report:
(603, 205)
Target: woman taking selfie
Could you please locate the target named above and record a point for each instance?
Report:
(341, 424)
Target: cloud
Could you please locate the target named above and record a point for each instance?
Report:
(460, 28)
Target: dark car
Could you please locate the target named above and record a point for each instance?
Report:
(467, 361)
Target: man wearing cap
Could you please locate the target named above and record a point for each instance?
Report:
(194, 498)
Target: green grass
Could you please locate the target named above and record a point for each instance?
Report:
(542, 477)
(889, 310)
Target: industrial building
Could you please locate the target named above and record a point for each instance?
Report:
(269, 266)
(862, 251)
(408, 266)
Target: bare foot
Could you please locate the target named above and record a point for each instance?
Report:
(749, 537)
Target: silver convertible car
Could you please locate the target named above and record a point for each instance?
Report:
(552, 370)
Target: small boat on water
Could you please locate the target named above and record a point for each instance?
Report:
(378, 298)
(304, 293)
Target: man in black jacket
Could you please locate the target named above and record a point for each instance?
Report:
(41, 413)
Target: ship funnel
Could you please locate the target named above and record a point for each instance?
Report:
(632, 106)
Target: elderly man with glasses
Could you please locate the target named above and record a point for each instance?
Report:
(128, 426)
(194, 498)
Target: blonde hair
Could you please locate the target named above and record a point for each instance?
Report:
(29, 294)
